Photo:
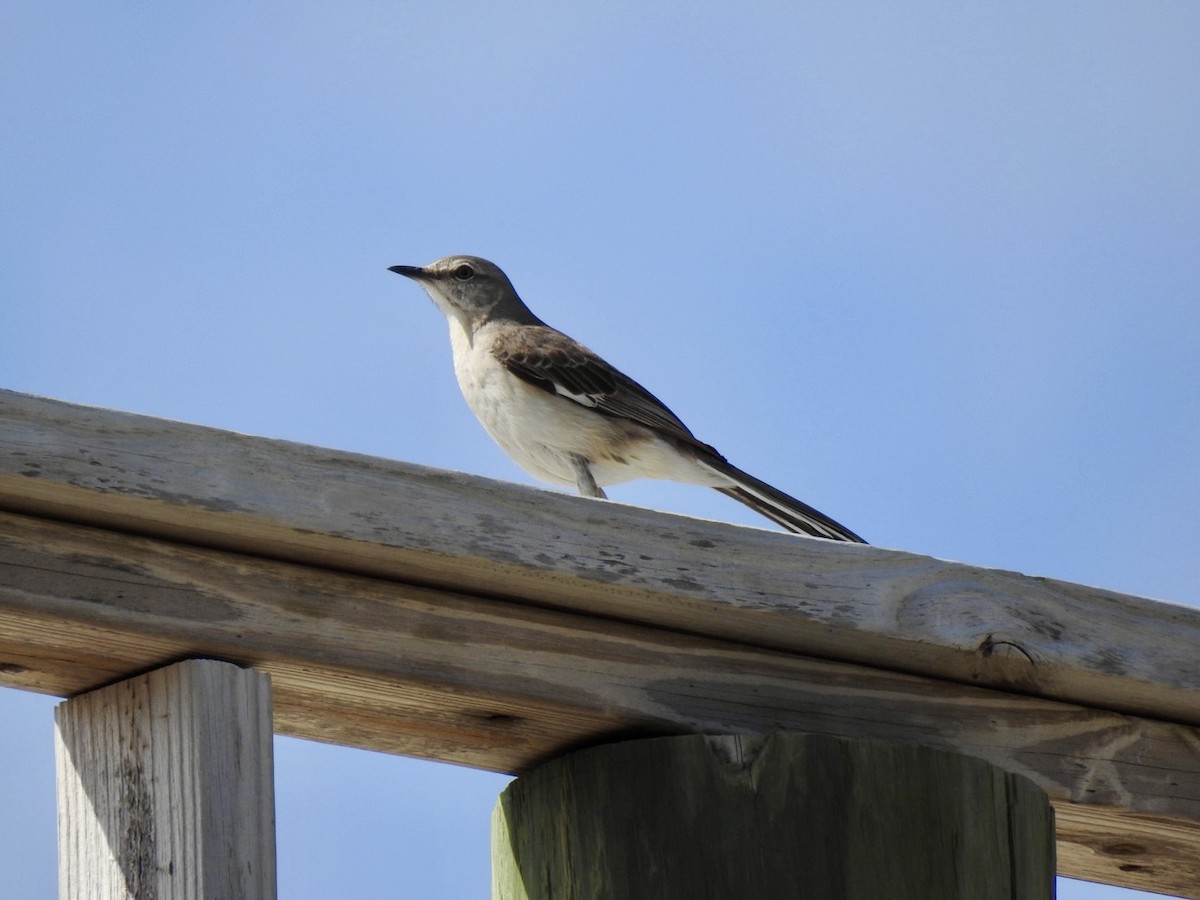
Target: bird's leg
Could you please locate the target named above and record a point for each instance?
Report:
(584, 480)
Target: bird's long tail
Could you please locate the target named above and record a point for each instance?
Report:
(781, 508)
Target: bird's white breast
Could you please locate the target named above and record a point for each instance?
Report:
(510, 410)
(541, 431)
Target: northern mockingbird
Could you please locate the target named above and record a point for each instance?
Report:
(568, 417)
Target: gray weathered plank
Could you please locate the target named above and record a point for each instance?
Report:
(165, 787)
(376, 517)
(491, 683)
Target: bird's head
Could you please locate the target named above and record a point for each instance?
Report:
(467, 288)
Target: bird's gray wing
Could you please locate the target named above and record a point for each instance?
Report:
(560, 365)
(550, 360)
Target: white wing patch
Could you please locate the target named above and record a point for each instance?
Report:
(582, 399)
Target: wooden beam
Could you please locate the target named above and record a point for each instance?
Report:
(337, 510)
(435, 614)
(165, 786)
(494, 684)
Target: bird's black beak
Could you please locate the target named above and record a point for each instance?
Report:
(409, 271)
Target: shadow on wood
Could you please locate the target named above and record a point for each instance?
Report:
(785, 816)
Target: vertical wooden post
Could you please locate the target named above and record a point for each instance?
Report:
(165, 787)
(786, 816)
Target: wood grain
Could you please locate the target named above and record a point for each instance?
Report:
(497, 684)
(165, 787)
(787, 815)
(867, 605)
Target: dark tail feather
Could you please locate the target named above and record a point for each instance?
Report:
(792, 514)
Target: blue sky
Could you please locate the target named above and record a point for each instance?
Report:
(932, 267)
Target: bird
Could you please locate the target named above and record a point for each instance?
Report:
(568, 417)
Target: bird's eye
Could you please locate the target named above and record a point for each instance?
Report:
(464, 273)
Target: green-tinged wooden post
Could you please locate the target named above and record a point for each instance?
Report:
(785, 816)
(165, 787)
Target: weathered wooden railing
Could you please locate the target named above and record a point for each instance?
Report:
(417, 611)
